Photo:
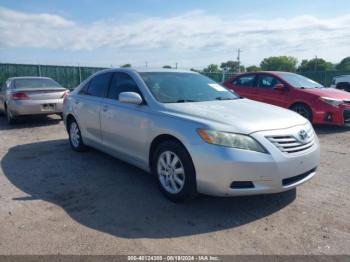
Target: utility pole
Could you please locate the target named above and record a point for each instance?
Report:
(176, 65)
(146, 63)
(315, 63)
(239, 59)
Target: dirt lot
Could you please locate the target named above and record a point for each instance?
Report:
(56, 201)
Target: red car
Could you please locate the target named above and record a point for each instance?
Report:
(310, 99)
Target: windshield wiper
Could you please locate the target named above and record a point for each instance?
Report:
(185, 100)
(224, 98)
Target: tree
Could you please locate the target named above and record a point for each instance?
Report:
(315, 64)
(253, 68)
(212, 68)
(279, 63)
(230, 66)
(126, 65)
(344, 64)
(167, 66)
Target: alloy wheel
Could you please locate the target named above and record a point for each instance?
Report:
(171, 172)
(301, 110)
(74, 134)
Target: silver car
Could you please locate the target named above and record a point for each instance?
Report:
(22, 96)
(191, 133)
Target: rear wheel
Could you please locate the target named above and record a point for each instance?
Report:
(75, 138)
(9, 116)
(302, 110)
(173, 167)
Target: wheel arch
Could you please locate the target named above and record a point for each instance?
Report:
(160, 139)
(69, 118)
(304, 104)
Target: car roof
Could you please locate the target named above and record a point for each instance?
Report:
(147, 70)
(28, 77)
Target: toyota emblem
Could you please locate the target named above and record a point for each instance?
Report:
(302, 134)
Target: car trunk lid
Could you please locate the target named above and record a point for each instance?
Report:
(42, 93)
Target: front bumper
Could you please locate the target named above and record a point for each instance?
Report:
(35, 107)
(332, 115)
(217, 167)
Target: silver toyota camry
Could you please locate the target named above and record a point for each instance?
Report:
(22, 96)
(191, 133)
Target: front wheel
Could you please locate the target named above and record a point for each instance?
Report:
(302, 110)
(75, 138)
(173, 167)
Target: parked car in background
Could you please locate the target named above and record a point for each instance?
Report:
(193, 134)
(23, 96)
(341, 82)
(308, 98)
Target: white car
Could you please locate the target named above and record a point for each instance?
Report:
(341, 82)
(193, 134)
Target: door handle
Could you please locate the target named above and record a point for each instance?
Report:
(105, 108)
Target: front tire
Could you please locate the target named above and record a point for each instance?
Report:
(174, 170)
(75, 138)
(302, 110)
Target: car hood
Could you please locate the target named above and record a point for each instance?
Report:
(328, 92)
(241, 115)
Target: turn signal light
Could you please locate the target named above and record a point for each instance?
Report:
(65, 94)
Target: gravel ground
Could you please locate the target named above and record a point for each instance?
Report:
(56, 201)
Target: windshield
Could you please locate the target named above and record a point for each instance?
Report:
(171, 87)
(35, 83)
(299, 81)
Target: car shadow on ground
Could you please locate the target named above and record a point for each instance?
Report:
(111, 196)
(330, 129)
(29, 122)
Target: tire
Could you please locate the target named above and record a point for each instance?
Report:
(176, 178)
(75, 138)
(61, 116)
(10, 118)
(302, 110)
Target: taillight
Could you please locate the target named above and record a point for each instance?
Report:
(19, 96)
(65, 94)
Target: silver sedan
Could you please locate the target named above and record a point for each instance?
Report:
(191, 133)
(22, 96)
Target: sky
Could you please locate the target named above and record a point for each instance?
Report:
(191, 33)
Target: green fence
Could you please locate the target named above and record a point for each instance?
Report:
(71, 76)
(323, 77)
(67, 76)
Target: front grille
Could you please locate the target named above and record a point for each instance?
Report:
(294, 179)
(291, 144)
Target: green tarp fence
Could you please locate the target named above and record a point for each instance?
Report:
(71, 76)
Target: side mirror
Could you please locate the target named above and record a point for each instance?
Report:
(279, 87)
(130, 98)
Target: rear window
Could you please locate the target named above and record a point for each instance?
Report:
(35, 83)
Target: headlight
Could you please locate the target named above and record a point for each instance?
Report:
(332, 101)
(230, 140)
